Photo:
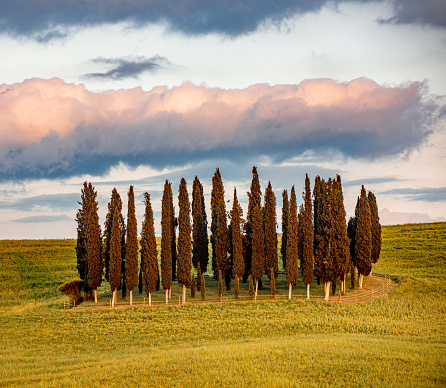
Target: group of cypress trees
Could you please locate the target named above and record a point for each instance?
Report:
(315, 239)
(364, 231)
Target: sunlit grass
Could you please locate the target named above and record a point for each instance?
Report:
(398, 340)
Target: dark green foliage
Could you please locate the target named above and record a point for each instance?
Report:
(258, 244)
(94, 274)
(319, 245)
(81, 244)
(340, 244)
(198, 277)
(220, 285)
(254, 199)
(285, 210)
(220, 259)
(376, 227)
(166, 236)
(115, 202)
(272, 280)
(238, 267)
(252, 291)
(73, 288)
(270, 232)
(300, 235)
(192, 286)
(351, 233)
(131, 258)
(202, 286)
(174, 224)
(184, 236)
(200, 251)
(149, 254)
(236, 287)
(363, 246)
(308, 235)
(291, 248)
(115, 253)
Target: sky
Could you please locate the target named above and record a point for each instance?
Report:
(133, 93)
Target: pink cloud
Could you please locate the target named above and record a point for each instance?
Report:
(359, 117)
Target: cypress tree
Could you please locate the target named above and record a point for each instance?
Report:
(166, 239)
(272, 281)
(270, 233)
(238, 267)
(94, 274)
(258, 246)
(319, 246)
(184, 238)
(192, 286)
(340, 242)
(115, 202)
(363, 246)
(202, 286)
(376, 227)
(324, 260)
(149, 254)
(285, 210)
(300, 236)
(330, 261)
(291, 249)
(251, 291)
(351, 231)
(174, 224)
(218, 227)
(81, 243)
(254, 196)
(131, 258)
(200, 250)
(115, 255)
(308, 238)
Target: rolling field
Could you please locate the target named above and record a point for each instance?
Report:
(399, 340)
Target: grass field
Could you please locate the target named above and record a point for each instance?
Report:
(399, 340)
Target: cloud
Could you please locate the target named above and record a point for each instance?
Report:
(398, 218)
(42, 218)
(428, 194)
(53, 202)
(44, 20)
(129, 67)
(370, 181)
(54, 129)
(427, 12)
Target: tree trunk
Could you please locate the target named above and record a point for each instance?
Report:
(308, 291)
(95, 293)
(131, 297)
(327, 291)
(361, 278)
(289, 292)
(150, 299)
(167, 296)
(115, 295)
(257, 287)
(170, 292)
(184, 294)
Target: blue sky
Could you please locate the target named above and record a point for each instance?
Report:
(135, 93)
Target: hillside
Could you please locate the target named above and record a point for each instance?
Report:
(398, 340)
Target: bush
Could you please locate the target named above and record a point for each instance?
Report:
(72, 288)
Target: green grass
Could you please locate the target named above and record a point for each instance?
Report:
(399, 340)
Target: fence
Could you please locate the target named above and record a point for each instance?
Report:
(380, 285)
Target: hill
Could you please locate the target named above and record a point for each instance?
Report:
(398, 340)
